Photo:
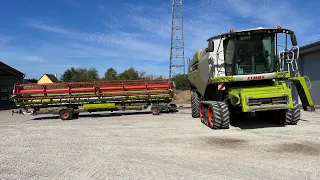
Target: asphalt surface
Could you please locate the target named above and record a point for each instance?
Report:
(168, 146)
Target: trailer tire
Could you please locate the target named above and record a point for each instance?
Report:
(155, 110)
(195, 104)
(66, 114)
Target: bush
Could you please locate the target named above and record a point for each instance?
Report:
(181, 81)
(80, 74)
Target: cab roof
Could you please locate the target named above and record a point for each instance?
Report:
(252, 31)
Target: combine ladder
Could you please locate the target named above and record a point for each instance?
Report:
(298, 80)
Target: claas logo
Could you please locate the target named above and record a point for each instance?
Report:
(255, 77)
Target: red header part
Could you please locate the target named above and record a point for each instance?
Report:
(98, 88)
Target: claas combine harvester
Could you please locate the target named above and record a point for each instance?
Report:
(68, 99)
(246, 71)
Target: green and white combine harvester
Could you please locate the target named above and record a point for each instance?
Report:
(248, 71)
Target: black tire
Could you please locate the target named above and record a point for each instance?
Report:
(66, 114)
(195, 104)
(155, 110)
(293, 115)
(214, 116)
(225, 115)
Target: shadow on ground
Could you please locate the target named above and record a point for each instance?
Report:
(94, 115)
(250, 121)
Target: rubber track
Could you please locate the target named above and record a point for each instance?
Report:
(225, 115)
(293, 115)
(221, 116)
(195, 102)
(217, 116)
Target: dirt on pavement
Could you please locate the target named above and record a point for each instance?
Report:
(168, 146)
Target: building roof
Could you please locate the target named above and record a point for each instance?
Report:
(309, 48)
(13, 70)
(30, 80)
(52, 77)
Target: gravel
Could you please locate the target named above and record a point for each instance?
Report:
(169, 146)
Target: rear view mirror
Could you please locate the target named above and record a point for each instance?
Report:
(210, 46)
(293, 39)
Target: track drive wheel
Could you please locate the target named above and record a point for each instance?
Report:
(215, 114)
(225, 115)
(66, 114)
(195, 104)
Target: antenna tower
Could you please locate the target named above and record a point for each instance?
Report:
(177, 65)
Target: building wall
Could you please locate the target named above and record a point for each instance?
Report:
(311, 67)
(309, 64)
(6, 88)
(44, 79)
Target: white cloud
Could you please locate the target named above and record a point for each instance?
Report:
(142, 32)
(33, 58)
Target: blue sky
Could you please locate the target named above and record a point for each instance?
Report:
(40, 36)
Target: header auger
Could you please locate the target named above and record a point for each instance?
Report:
(248, 71)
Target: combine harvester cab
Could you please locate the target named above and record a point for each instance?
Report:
(246, 71)
(68, 99)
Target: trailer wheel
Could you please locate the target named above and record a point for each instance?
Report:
(66, 114)
(155, 110)
(195, 104)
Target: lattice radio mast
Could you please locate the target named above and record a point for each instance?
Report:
(177, 64)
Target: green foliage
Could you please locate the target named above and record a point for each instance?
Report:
(83, 74)
(80, 74)
(129, 74)
(181, 81)
(110, 74)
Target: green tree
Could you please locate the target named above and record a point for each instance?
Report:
(181, 81)
(110, 74)
(80, 74)
(129, 74)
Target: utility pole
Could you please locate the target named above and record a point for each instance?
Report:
(177, 64)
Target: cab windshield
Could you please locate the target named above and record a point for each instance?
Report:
(249, 54)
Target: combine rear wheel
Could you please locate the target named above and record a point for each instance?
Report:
(195, 104)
